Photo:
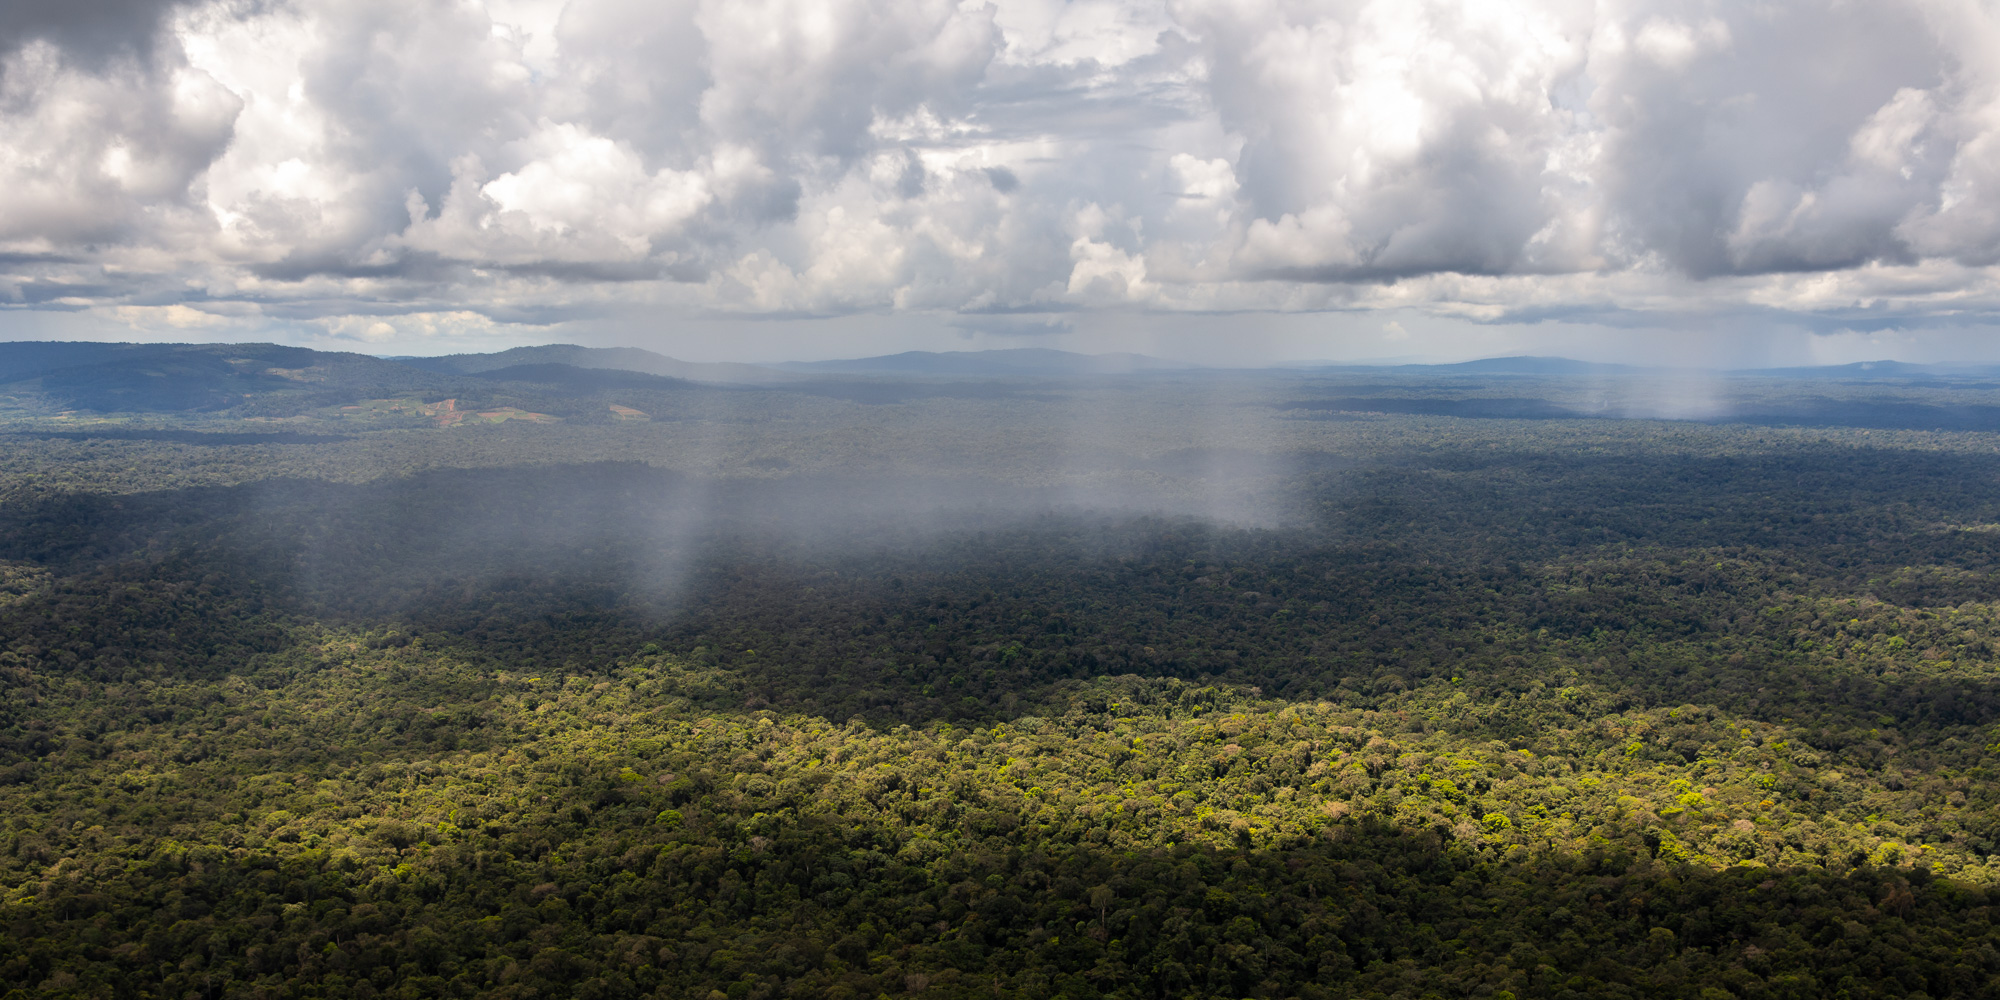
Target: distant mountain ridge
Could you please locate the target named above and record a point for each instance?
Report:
(579, 379)
(1532, 365)
(625, 359)
(26, 359)
(1875, 369)
(274, 379)
(1013, 361)
(1555, 366)
(193, 377)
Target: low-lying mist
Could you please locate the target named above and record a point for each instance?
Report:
(619, 533)
(1160, 528)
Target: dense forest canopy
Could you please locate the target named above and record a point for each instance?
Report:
(1184, 684)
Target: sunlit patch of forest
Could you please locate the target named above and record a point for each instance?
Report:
(1168, 687)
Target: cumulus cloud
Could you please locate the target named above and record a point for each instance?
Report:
(371, 165)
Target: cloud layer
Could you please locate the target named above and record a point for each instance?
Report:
(377, 168)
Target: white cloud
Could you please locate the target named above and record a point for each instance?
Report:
(1673, 44)
(1106, 33)
(1104, 273)
(88, 158)
(577, 198)
(352, 161)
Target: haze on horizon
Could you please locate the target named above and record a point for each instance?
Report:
(1216, 182)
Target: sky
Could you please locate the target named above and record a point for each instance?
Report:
(1219, 181)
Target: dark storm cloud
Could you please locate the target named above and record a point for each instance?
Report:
(88, 31)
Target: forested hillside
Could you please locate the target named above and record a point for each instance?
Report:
(1178, 686)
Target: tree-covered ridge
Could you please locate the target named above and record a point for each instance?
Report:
(362, 809)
